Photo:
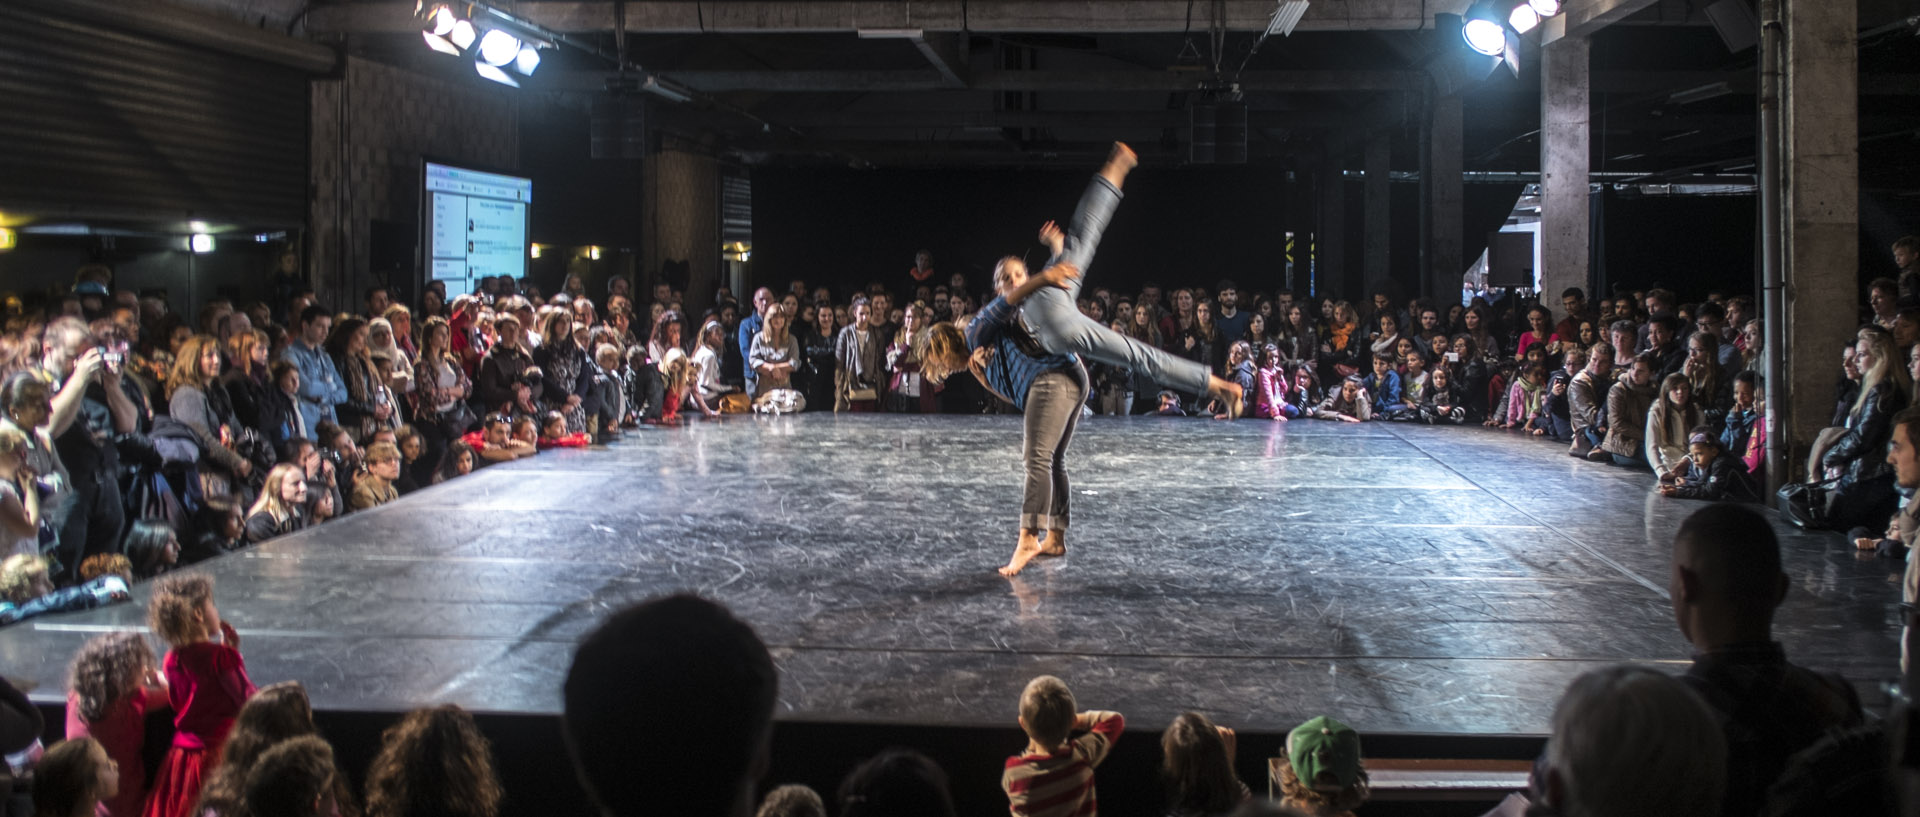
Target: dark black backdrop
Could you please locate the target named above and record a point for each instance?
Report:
(846, 228)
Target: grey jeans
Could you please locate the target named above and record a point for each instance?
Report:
(1055, 319)
(1053, 409)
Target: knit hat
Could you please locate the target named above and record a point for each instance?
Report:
(1324, 746)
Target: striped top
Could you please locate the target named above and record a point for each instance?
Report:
(1013, 368)
(1061, 784)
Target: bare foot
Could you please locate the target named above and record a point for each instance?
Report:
(1025, 552)
(1119, 162)
(1056, 544)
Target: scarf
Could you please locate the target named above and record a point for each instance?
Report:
(1338, 334)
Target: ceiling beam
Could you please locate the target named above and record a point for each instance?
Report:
(1155, 119)
(1581, 18)
(848, 16)
(1304, 81)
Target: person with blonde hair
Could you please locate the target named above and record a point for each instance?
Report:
(281, 507)
(20, 510)
(1865, 495)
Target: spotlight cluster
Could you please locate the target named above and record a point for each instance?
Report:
(1485, 29)
(495, 40)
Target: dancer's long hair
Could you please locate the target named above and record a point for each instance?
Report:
(945, 344)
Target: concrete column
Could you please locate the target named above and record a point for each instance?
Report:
(1445, 163)
(1379, 212)
(1566, 237)
(1821, 126)
(1330, 238)
(682, 222)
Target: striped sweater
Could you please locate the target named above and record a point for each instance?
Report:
(1014, 367)
(1061, 784)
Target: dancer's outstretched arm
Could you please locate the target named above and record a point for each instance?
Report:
(1058, 275)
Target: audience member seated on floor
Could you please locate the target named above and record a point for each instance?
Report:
(1627, 402)
(282, 506)
(1673, 414)
(277, 713)
(74, 779)
(792, 800)
(669, 710)
(896, 783)
(1628, 741)
(1864, 494)
(1711, 473)
(1383, 386)
(434, 762)
(1726, 584)
(113, 683)
(152, 548)
(1556, 409)
(494, 441)
(1053, 777)
(1322, 774)
(1904, 531)
(295, 778)
(106, 564)
(27, 590)
(374, 487)
(1743, 432)
(1348, 404)
(553, 433)
(1587, 400)
(458, 462)
(1196, 759)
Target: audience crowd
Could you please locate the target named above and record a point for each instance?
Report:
(134, 441)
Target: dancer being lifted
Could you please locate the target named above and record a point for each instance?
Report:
(1033, 359)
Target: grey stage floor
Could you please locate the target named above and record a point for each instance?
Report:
(1405, 579)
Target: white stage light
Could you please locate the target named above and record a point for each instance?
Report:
(494, 73)
(498, 48)
(441, 21)
(1545, 8)
(439, 43)
(527, 61)
(463, 34)
(1523, 18)
(201, 243)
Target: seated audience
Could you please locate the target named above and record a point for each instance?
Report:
(1711, 474)
(1864, 494)
(792, 800)
(433, 763)
(1054, 775)
(1323, 775)
(295, 778)
(1628, 401)
(152, 548)
(1197, 761)
(277, 713)
(75, 778)
(375, 486)
(282, 506)
(896, 783)
(669, 710)
(1672, 415)
(1726, 585)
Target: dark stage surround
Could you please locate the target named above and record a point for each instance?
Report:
(1405, 579)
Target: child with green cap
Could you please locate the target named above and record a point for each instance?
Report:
(1323, 775)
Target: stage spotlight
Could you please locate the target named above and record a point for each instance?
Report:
(8, 239)
(441, 21)
(1523, 18)
(439, 43)
(494, 73)
(527, 61)
(1545, 8)
(201, 243)
(498, 48)
(463, 34)
(1483, 29)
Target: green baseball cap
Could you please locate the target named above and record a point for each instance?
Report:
(1324, 746)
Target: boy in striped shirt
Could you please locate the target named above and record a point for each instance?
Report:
(1054, 776)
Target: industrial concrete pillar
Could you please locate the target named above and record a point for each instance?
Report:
(1821, 128)
(1566, 235)
(1379, 217)
(1443, 182)
(682, 222)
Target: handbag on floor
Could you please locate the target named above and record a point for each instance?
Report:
(1806, 503)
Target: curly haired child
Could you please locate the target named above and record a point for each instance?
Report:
(207, 684)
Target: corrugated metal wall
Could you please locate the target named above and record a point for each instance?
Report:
(99, 123)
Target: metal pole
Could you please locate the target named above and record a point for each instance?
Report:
(1772, 243)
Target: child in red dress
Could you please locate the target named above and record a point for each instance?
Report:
(112, 687)
(207, 684)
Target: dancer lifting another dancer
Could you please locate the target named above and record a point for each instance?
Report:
(1026, 346)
